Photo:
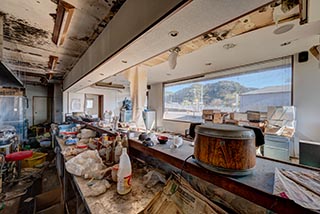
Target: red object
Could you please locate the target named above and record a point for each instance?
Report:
(69, 133)
(16, 156)
(81, 146)
(162, 139)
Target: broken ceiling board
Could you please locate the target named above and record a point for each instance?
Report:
(62, 22)
(255, 20)
(29, 27)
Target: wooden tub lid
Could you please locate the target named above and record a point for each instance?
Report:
(225, 131)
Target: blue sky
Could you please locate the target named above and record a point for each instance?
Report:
(255, 80)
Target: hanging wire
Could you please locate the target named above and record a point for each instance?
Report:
(179, 177)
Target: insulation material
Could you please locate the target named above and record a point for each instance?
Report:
(301, 187)
(137, 77)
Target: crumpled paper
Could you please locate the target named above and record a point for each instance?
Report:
(301, 187)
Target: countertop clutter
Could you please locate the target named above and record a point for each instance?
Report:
(159, 107)
(99, 191)
(97, 201)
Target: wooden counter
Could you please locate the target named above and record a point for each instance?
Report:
(257, 187)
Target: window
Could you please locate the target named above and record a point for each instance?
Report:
(253, 87)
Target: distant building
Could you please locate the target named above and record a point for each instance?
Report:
(259, 100)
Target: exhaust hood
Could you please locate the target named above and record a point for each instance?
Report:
(8, 79)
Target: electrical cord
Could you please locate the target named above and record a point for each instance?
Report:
(173, 191)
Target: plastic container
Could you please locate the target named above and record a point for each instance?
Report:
(45, 143)
(36, 159)
(124, 174)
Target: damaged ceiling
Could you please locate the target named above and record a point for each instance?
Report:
(28, 28)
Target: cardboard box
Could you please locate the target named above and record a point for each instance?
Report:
(49, 202)
(238, 116)
(281, 113)
(207, 116)
(217, 118)
(210, 111)
(54, 209)
(253, 115)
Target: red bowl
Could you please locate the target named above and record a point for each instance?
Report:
(162, 139)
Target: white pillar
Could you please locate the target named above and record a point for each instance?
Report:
(137, 77)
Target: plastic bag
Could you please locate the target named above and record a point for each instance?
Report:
(87, 164)
(152, 178)
(97, 188)
(87, 133)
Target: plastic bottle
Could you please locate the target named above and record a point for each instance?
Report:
(124, 174)
(125, 141)
(117, 152)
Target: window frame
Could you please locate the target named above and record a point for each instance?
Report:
(223, 73)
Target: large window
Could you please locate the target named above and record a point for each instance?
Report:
(253, 87)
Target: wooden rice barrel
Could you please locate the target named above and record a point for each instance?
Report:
(227, 147)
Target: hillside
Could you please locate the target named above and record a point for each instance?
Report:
(219, 93)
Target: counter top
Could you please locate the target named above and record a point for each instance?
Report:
(257, 187)
(110, 201)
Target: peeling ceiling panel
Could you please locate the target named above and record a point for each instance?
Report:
(28, 28)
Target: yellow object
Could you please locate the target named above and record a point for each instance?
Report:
(36, 159)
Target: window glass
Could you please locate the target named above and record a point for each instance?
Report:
(249, 90)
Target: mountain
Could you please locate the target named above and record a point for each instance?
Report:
(219, 93)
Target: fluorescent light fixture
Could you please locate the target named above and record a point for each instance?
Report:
(283, 29)
(63, 19)
(110, 85)
(172, 59)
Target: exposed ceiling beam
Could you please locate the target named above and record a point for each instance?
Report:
(61, 25)
(52, 62)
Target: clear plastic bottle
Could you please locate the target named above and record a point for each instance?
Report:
(124, 174)
(125, 142)
(117, 152)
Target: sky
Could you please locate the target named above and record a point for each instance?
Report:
(253, 80)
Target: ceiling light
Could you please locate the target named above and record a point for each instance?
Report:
(172, 59)
(62, 22)
(173, 33)
(283, 29)
(229, 46)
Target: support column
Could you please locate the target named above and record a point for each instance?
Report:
(137, 77)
